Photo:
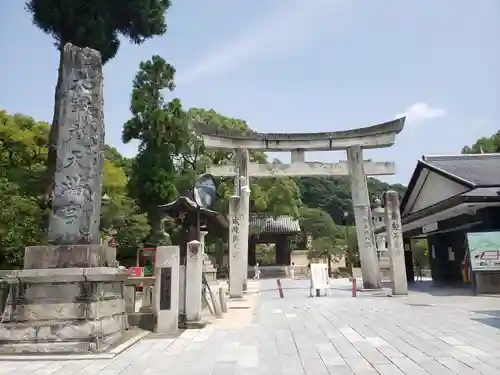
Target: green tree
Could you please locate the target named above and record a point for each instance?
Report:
(317, 223)
(484, 145)
(23, 151)
(216, 121)
(326, 247)
(162, 130)
(333, 195)
(324, 232)
(420, 251)
(19, 223)
(199, 158)
(111, 154)
(23, 154)
(121, 217)
(96, 24)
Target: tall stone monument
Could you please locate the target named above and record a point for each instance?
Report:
(69, 296)
(394, 235)
(363, 219)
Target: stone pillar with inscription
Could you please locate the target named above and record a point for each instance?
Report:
(69, 296)
(235, 255)
(395, 243)
(194, 269)
(166, 289)
(242, 158)
(363, 219)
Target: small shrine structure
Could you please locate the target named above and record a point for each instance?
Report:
(281, 231)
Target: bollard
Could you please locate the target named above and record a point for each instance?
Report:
(354, 289)
(222, 297)
(280, 289)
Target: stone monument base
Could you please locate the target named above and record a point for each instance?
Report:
(487, 282)
(79, 309)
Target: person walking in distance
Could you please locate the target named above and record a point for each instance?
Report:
(418, 268)
(256, 270)
(292, 271)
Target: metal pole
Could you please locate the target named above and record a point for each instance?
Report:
(280, 288)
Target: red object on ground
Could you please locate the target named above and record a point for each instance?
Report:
(354, 289)
(280, 289)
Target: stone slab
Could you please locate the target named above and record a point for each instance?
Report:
(63, 310)
(77, 358)
(68, 310)
(79, 256)
(71, 292)
(487, 282)
(66, 275)
(301, 169)
(61, 331)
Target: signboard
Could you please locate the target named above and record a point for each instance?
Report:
(148, 261)
(484, 251)
(136, 271)
(319, 276)
(429, 228)
(165, 288)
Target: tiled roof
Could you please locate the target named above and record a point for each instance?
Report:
(268, 224)
(483, 192)
(479, 169)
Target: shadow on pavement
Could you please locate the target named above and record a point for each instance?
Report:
(493, 320)
(440, 290)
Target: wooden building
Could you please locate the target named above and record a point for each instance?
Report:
(447, 197)
(281, 231)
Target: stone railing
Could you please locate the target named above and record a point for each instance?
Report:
(139, 303)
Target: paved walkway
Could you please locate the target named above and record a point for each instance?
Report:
(419, 334)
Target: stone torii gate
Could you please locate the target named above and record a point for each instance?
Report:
(352, 141)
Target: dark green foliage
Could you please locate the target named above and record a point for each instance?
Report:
(19, 218)
(23, 154)
(484, 145)
(162, 130)
(334, 195)
(317, 223)
(113, 155)
(98, 24)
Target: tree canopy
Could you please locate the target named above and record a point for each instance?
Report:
(484, 145)
(333, 195)
(23, 153)
(98, 24)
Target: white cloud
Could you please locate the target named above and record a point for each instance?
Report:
(422, 111)
(279, 32)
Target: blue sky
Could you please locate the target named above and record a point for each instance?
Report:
(297, 66)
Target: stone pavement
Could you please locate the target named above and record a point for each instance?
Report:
(428, 332)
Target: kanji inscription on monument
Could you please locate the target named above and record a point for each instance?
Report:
(76, 188)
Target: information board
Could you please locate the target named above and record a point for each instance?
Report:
(484, 251)
(319, 276)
